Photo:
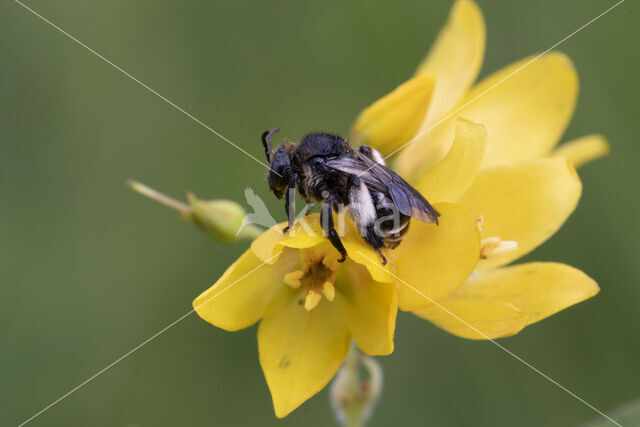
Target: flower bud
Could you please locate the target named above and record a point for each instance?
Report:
(356, 388)
(394, 119)
(222, 219)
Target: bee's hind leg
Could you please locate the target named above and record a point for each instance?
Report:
(326, 219)
(372, 238)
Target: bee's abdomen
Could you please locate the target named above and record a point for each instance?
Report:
(379, 221)
(393, 237)
(391, 225)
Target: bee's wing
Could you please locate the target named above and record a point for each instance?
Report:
(377, 177)
(355, 167)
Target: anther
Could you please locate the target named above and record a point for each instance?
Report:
(494, 246)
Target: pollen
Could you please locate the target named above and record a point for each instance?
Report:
(315, 278)
(494, 246)
(312, 300)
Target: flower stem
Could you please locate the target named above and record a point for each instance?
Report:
(356, 389)
(185, 210)
(354, 414)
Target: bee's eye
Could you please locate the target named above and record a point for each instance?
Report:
(276, 177)
(279, 173)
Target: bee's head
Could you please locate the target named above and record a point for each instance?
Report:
(279, 165)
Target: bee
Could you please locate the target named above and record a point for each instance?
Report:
(326, 169)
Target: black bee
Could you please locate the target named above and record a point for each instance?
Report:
(327, 169)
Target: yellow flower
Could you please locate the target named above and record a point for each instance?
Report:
(501, 191)
(522, 188)
(311, 306)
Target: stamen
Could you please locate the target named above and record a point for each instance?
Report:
(494, 246)
(315, 278)
(329, 291)
(294, 278)
(312, 300)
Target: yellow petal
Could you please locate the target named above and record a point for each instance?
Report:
(525, 107)
(538, 288)
(427, 148)
(239, 298)
(583, 150)
(475, 319)
(525, 202)
(300, 351)
(535, 290)
(393, 119)
(361, 253)
(306, 232)
(370, 308)
(527, 113)
(455, 58)
(436, 259)
(453, 175)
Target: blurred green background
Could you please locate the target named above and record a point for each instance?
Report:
(90, 270)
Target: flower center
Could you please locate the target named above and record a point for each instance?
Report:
(315, 278)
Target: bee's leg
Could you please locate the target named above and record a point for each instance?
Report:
(307, 208)
(326, 219)
(372, 238)
(288, 206)
(382, 257)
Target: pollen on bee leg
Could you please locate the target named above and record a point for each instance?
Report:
(493, 246)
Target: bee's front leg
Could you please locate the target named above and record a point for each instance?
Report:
(326, 219)
(289, 207)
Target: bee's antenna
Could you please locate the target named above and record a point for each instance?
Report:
(266, 141)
